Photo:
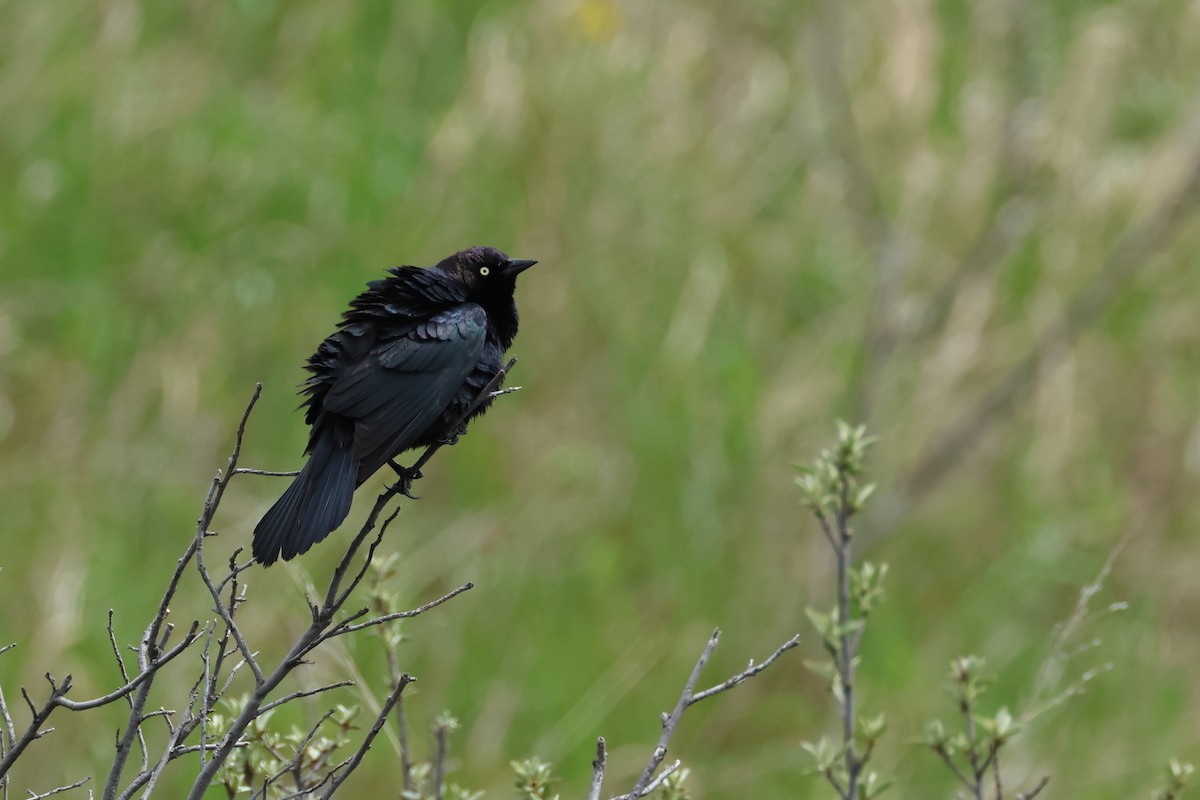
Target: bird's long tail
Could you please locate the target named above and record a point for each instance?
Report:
(316, 502)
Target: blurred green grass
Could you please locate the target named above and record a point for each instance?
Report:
(191, 193)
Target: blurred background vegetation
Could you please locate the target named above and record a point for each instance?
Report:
(971, 225)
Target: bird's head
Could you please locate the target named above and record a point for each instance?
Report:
(488, 271)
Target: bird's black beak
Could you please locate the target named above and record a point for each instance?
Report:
(515, 266)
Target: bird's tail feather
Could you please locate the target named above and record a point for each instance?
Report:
(313, 506)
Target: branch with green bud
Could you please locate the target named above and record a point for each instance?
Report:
(973, 752)
(832, 488)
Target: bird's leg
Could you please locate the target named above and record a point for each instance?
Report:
(407, 476)
(451, 438)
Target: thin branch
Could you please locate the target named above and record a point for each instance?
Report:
(150, 638)
(972, 752)
(225, 613)
(380, 719)
(406, 765)
(1049, 674)
(652, 785)
(441, 735)
(74, 785)
(307, 792)
(831, 776)
(845, 659)
(38, 717)
(141, 678)
(306, 693)
(160, 765)
(9, 734)
(362, 572)
(234, 572)
(995, 759)
(825, 529)
(112, 641)
(598, 766)
(645, 782)
(670, 722)
(958, 773)
(292, 767)
(344, 629)
(747, 673)
(1035, 791)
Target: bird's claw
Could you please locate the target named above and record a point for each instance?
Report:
(451, 439)
(406, 476)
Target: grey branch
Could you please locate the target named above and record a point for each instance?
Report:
(380, 719)
(75, 785)
(1035, 791)
(306, 693)
(747, 673)
(647, 781)
(598, 766)
(58, 698)
(344, 628)
(652, 785)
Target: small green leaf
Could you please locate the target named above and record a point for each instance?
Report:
(935, 733)
(822, 753)
(825, 669)
(872, 786)
(873, 727)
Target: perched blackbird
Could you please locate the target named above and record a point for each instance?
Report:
(408, 358)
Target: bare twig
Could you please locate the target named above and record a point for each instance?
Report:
(598, 766)
(141, 678)
(670, 722)
(958, 773)
(226, 612)
(75, 785)
(652, 785)
(1035, 791)
(344, 772)
(995, 758)
(306, 693)
(1049, 674)
(441, 736)
(292, 767)
(646, 780)
(406, 764)
(151, 638)
(747, 673)
(112, 640)
(344, 628)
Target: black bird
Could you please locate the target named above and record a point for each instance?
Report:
(408, 358)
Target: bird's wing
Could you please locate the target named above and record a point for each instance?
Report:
(402, 384)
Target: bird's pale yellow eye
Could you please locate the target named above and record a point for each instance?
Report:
(484, 271)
